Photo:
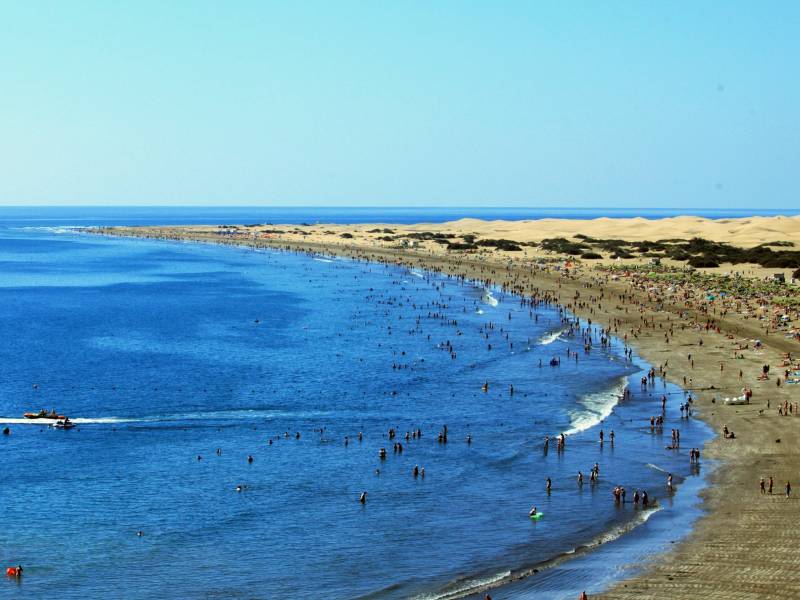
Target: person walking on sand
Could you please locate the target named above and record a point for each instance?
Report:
(762, 485)
(770, 484)
(788, 490)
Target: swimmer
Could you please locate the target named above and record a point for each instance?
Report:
(250, 459)
(363, 498)
(532, 512)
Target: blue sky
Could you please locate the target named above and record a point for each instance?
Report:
(430, 103)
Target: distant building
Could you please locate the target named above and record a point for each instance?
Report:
(779, 277)
(655, 261)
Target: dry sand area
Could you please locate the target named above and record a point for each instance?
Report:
(741, 232)
(745, 232)
(747, 544)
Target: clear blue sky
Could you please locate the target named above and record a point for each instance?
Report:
(435, 103)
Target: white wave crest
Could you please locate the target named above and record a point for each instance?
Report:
(551, 337)
(59, 229)
(460, 589)
(596, 407)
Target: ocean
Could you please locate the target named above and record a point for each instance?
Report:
(178, 361)
(21, 216)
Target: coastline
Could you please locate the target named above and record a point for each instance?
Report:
(714, 559)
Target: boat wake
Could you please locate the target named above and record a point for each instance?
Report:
(596, 407)
(77, 421)
(219, 415)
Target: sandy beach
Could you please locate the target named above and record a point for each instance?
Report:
(705, 341)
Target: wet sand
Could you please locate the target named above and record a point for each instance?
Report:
(745, 544)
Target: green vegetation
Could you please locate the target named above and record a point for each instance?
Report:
(507, 245)
(697, 252)
(429, 235)
(461, 246)
(563, 246)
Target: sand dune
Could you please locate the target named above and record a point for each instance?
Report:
(745, 232)
(749, 231)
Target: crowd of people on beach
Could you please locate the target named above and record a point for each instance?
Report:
(698, 315)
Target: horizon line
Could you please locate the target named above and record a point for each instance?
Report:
(392, 207)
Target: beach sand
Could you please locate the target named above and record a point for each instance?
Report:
(745, 545)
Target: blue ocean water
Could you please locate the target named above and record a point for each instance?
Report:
(165, 352)
(20, 216)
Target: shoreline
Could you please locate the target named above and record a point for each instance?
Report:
(693, 568)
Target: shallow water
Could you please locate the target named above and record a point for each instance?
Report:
(163, 352)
